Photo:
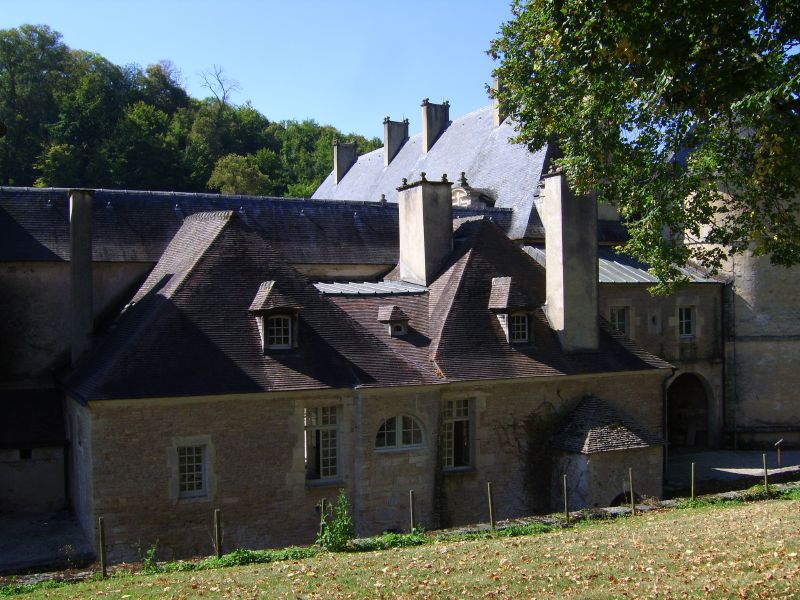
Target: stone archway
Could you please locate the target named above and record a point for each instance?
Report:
(687, 412)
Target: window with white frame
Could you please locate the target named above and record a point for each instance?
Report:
(192, 472)
(686, 321)
(279, 332)
(518, 328)
(456, 446)
(410, 433)
(618, 315)
(322, 442)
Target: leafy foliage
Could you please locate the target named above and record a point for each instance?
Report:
(684, 114)
(338, 530)
(76, 119)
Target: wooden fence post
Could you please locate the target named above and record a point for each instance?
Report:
(630, 481)
(766, 474)
(411, 510)
(491, 504)
(101, 533)
(218, 531)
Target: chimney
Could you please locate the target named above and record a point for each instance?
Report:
(426, 228)
(80, 269)
(498, 115)
(344, 156)
(395, 134)
(570, 225)
(435, 119)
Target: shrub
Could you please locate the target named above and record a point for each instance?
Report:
(337, 534)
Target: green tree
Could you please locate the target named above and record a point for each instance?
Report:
(141, 152)
(685, 114)
(33, 60)
(236, 174)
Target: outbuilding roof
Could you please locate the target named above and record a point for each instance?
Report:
(595, 426)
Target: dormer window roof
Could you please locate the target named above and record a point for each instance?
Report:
(394, 318)
(512, 307)
(507, 296)
(276, 314)
(269, 298)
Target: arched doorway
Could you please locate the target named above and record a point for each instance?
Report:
(687, 412)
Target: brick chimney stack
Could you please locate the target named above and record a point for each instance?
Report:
(395, 134)
(344, 157)
(426, 228)
(571, 257)
(80, 270)
(435, 119)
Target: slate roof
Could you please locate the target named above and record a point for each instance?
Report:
(189, 329)
(137, 226)
(615, 267)
(509, 172)
(595, 426)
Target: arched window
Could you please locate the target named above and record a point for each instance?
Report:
(402, 431)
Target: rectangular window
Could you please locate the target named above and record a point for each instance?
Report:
(279, 332)
(456, 434)
(518, 328)
(686, 324)
(619, 318)
(191, 471)
(322, 449)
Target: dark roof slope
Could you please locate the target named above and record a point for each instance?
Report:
(189, 330)
(467, 338)
(595, 426)
(472, 144)
(137, 226)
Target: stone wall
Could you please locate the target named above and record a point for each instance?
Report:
(256, 465)
(34, 483)
(35, 305)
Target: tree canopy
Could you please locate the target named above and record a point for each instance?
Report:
(684, 114)
(73, 118)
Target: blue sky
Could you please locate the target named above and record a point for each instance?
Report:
(344, 63)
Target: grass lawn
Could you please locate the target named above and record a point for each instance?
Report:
(741, 551)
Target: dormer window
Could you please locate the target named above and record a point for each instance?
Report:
(518, 328)
(277, 316)
(512, 308)
(395, 319)
(279, 332)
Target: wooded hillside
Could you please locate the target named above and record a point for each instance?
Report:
(74, 119)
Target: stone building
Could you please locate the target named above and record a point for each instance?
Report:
(71, 261)
(232, 380)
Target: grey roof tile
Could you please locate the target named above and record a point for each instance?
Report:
(615, 267)
(510, 172)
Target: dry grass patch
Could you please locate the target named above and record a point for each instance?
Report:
(748, 551)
